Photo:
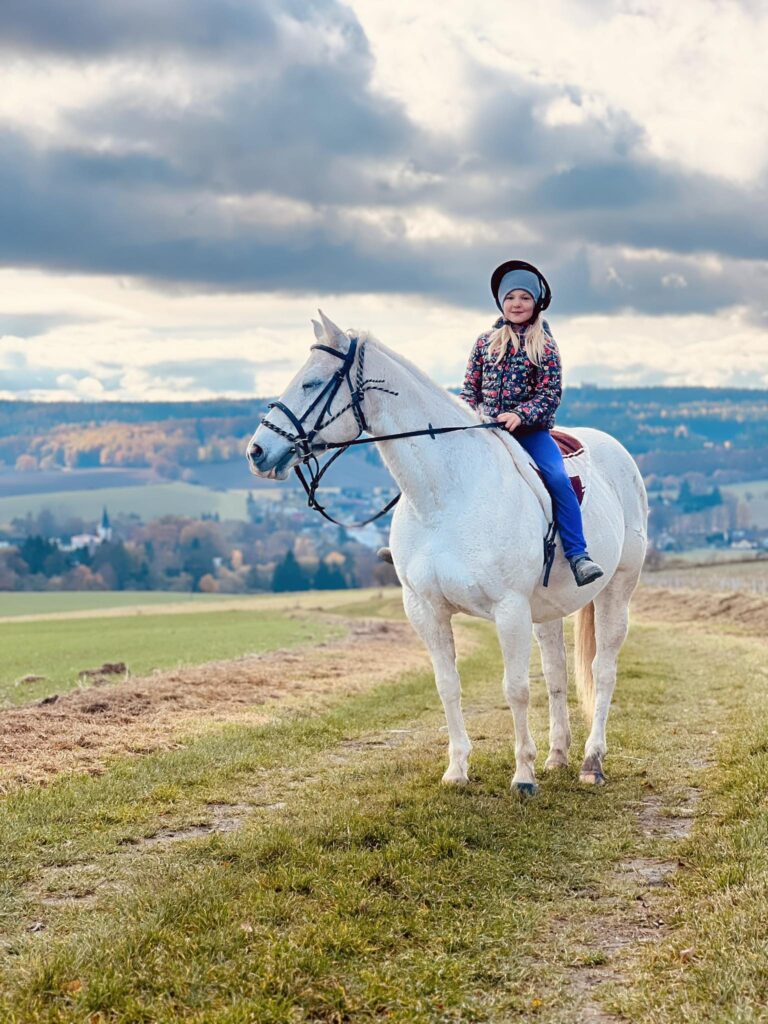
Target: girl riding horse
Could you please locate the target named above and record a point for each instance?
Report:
(514, 374)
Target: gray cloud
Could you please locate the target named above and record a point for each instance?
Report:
(17, 375)
(84, 29)
(31, 325)
(217, 375)
(298, 118)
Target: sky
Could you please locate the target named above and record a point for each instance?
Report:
(184, 182)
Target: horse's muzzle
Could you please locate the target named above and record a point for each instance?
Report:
(261, 464)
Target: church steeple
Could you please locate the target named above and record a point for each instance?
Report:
(104, 529)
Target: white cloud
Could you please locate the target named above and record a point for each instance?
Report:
(691, 74)
(131, 329)
(713, 351)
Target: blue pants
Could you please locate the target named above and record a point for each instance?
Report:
(543, 449)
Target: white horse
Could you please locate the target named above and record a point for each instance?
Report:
(467, 536)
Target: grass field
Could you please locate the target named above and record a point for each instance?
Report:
(337, 880)
(58, 650)
(147, 501)
(15, 604)
(108, 603)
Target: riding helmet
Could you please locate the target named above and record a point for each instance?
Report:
(520, 274)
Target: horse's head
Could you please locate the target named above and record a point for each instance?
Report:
(320, 405)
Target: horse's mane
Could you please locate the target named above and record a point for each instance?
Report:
(519, 456)
(423, 378)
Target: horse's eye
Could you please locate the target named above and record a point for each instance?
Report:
(311, 384)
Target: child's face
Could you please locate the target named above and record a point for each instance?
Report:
(518, 306)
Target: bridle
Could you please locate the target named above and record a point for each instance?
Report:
(303, 441)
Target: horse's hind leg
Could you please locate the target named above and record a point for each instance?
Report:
(549, 636)
(434, 628)
(611, 628)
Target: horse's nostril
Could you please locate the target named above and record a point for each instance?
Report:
(256, 451)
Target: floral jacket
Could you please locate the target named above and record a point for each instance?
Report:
(516, 384)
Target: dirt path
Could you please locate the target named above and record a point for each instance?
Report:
(81, 730)
(698, 607)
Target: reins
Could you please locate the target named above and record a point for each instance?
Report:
(305, 446)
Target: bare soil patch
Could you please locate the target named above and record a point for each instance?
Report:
(700, 606)
(627, 914)
(81, 730)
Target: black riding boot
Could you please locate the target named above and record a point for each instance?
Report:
(585, 570)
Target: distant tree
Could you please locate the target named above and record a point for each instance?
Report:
(208, 585)
(200, 543)
(88, 458)
(684, 495)
(252, 508)
(289, 575)
(12, 569)
(82, 578)
(57, 562)
(115, 563)
(26, 464)
(255, 579)
(35, 551)
(329, 578)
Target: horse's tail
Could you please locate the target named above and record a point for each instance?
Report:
(584, 655)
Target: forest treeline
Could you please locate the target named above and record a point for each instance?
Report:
(173, 437)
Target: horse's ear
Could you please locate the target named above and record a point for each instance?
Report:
(334, 335)
(319, 331)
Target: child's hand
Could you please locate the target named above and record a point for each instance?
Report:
(510, 420)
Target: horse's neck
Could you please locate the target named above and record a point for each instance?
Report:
(431, 472)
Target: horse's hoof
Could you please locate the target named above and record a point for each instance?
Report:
(552, 764)
(455, 779)
(525, 789)
(592, 778)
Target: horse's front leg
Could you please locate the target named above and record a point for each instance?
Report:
(549, 636)
(434, 628)
(513, 624)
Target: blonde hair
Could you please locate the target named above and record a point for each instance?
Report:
(534, 336)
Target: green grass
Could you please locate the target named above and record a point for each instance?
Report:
(43, 603)
(60, 649)
(15, 604)
(375, 894)
(148, 501)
